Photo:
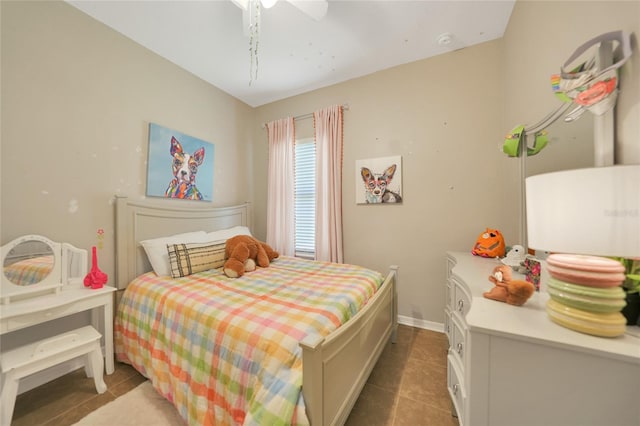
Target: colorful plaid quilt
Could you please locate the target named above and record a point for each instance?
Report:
(29, 271)
(225, 351)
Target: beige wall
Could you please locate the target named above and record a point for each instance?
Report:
(443, 117)
(542, 35)
(77, 98)
(447, 117)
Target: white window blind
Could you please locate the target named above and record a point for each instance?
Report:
(305, 205)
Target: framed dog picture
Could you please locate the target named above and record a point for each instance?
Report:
(179, 165)
(379, 180)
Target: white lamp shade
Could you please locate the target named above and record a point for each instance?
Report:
(593, 211)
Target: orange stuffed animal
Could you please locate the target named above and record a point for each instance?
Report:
(513, 292)
(489, 244)
(243, 252)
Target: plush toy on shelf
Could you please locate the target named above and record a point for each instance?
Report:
(243, 253)
(515, 258)
(508, 290)
(489, 244)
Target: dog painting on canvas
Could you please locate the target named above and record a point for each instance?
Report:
(381, 184)
(179, 166)
(185, 167)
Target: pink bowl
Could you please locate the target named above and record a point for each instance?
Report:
(593, 279)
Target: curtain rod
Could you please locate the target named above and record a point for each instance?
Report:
(308, 115)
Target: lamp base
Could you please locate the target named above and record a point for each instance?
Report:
(596, 324)
(589, 298)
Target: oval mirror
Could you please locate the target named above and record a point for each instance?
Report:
(28, 263)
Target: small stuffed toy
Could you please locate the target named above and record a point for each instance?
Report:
(243, 252)
(515, 258)
(513, 292)
(489, 244)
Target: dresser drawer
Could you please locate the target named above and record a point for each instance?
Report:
(448, 326)
(462, 298)
(450, 264)
(458, 340)
(450, 295)
(21, 321)
(456, 388)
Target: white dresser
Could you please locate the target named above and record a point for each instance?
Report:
(510, 365)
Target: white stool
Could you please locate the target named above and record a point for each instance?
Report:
(25, 360)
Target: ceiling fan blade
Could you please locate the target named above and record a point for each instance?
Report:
(246, 15)
(242, 4)
(315, 9)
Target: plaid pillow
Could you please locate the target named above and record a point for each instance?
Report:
(187, 259)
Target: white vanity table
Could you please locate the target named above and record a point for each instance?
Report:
(42, 281)
(511, 365)
(72, 299)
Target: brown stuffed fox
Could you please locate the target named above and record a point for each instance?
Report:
(513, 292)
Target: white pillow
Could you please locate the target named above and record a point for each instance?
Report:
(225, 234)
(156, 249)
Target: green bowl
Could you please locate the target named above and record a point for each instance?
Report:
(586, 303)
(581, 290)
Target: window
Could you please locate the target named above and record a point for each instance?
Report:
(305, 203)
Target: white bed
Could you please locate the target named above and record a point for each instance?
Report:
(335, 368)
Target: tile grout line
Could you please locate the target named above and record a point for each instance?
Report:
(53, 420)
(396, 401)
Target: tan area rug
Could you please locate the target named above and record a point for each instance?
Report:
(139, 407)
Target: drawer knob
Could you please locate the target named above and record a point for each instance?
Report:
(460, 305)
(459, 346)
(455, 389)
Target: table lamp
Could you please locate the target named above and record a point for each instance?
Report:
(583, 217)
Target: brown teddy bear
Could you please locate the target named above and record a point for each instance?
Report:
(243, 252)
(513, 292)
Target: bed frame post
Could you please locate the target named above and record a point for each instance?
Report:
(394, 332)
(312, 371)
(121, 249)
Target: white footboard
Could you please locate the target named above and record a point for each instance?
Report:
(335, 368)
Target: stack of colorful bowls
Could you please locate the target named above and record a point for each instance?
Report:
(585, 294)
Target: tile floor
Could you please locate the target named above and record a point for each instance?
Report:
(408, 386)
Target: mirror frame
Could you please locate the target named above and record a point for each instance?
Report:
(70, 266)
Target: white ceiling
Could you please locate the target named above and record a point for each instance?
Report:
(295, 53)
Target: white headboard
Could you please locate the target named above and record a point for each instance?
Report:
(143, 219)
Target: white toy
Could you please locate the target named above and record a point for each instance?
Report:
(515, 257)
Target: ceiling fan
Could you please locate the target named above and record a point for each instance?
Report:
(315, 9)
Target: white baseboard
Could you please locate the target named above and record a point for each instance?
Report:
(420, 323)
